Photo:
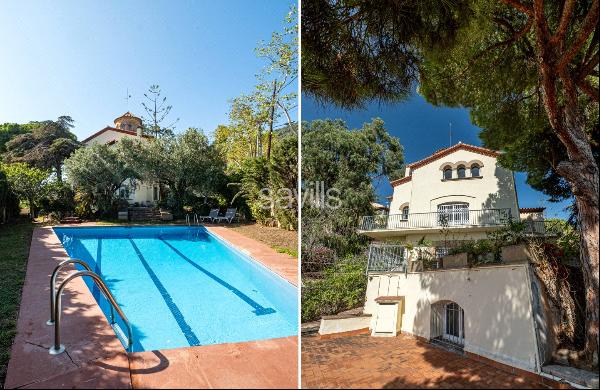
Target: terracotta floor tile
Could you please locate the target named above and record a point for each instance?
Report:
(400, 362)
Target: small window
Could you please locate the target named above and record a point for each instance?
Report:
(461, 171)
(441, 251)
(124, 192)
(155, 194)
(405, 213)
(447, 173)
(475, 170)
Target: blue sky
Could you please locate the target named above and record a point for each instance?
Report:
(422, 129)
(78, 58)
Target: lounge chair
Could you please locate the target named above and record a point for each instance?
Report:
(212, 215)
(229, 215)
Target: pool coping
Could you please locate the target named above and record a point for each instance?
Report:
(97, 359)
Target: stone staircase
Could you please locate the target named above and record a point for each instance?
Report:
(144, 214)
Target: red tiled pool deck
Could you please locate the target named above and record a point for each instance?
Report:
(399, 362)
(96, 359)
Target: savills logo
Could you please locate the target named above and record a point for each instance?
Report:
(315, 194)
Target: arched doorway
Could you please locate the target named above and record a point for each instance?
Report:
(448, 322)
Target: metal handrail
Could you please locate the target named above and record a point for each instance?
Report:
(59, 348)
(384, 257)
(53, 283)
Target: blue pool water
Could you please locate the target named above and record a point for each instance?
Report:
(183, 286)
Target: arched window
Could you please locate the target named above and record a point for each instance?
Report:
(453, 214)
(405, 212)
(448, 322)
(447, 173)
(475, 170)
(461, 171)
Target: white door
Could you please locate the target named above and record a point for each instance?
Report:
(454, 213)
(387, 315)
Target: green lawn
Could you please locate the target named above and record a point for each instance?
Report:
(15, 239)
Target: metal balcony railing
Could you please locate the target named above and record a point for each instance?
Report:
(386, 258)
(458, 218)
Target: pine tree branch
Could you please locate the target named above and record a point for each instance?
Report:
(519, 6)
(588, 89)
(591, 47)
(542, 29)
(564, 22)
(589, 24)
(516, 36)
(587, 69)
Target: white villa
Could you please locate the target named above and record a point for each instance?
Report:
(494, 311)
(461, 188)
(128, 125)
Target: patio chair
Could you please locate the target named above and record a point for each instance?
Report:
(212, 215)
(229, 215)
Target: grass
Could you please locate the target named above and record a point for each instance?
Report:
(283, 241)
(15, 239)
(291, 252)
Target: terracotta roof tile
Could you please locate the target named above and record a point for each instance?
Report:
(108, 128)
(531, 209)
(403, 180)
(444, 152)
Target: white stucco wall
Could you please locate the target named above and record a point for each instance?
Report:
(426, 190)
(496, 301)
(109, 136)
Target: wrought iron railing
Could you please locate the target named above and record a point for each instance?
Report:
(487, 217)
(386, 258)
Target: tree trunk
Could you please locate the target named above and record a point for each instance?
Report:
(271, 121)
(31, 209)
(581, 171)
(582, 174)
(561, 103)
(58, 172)
(287, 114)
(588, 222)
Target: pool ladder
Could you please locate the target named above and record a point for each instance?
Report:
(55, 303)
(189, 221)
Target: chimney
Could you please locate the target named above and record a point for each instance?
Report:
(140, 131)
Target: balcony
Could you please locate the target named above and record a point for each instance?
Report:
(379, 226)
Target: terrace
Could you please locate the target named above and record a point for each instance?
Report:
(388, 225)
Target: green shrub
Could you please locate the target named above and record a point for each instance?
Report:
(9, 202)
(342, 288)
(84, 205)
(57, 201)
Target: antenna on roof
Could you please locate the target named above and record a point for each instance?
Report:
(450, 133)
(127, 96)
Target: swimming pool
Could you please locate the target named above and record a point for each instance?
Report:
(183, 286)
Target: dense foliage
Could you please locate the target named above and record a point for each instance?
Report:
(346, 162)
(46, 146)
(260, 149)
(343, 287)
(339, 164)
(9, 202)
(10, 130)
(27, 183)
(186, 163)
(96, 172)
